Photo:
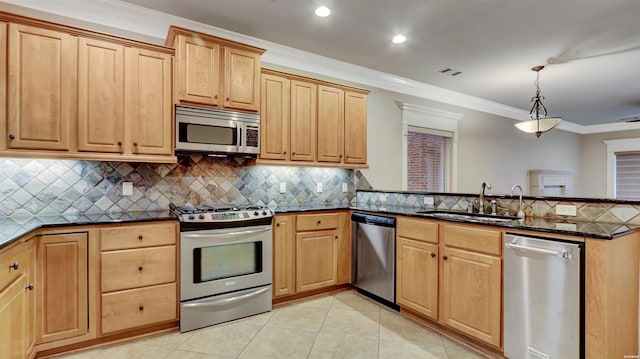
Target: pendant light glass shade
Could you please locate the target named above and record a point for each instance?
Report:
(539, 122)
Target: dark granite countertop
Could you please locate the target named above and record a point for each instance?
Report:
(13, 228)
(598, 230)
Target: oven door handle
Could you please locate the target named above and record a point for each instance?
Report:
(226, 301)
(224, 235)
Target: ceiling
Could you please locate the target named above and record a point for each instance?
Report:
(591, 48)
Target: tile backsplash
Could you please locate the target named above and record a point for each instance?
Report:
(31, 187)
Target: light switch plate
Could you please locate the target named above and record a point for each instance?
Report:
(283, 187)
(345, 187)
(319, 187)
(566, 210)
(127, 188)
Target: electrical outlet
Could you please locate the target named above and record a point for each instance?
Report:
(345, 187)
(428, 201)
(319, 187)
(127, 188)
(383, 197)
(566, 210)
(283, 187)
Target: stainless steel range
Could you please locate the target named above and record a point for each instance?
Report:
(225, 263)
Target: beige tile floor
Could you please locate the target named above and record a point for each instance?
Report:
(343, 325)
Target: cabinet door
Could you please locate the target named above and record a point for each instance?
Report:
(284, 240)
(62, 286)
(344, 248)
(417, 276)
(31, 296)
(303, 121)
(100, 96)
(274, 118)
(355, 128)
(241, 79)
(330, 124)
(471, 294)
(13, 305)
(316, 260)
(41, 88)
(148, 104)
(199, 69)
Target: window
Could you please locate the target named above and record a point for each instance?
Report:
(627, 176)
(623, 168)
(429, 156)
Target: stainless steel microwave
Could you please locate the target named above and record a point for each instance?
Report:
(205, 130)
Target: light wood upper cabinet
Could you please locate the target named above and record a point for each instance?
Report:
(148, 102)
(63, 286)
(241, 79)
(41, 88)
(355, 128)
(214, 71)
(284, 261)
(330, 125)
(303, 121)
(100, 96)
(274, 118)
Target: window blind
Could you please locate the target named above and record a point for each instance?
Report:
(429, 156)
(628, 176)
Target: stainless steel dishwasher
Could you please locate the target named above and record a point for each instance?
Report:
(543, 298)
(374, 256)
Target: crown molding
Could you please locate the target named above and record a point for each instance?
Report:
(150, 23)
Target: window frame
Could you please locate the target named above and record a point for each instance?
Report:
(434, 119)
(614, 146)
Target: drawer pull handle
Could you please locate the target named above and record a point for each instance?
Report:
(141, 308)
(140, 237)
(15, 265)
(140, 268)
(433, 254)
(30, 287)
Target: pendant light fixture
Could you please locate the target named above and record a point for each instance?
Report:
(539, 122)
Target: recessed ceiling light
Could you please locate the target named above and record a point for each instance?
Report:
(398, 39)
(323, 11)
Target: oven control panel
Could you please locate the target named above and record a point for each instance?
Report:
(226, 216)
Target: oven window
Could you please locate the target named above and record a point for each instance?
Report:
(226, 261)
(208, 134)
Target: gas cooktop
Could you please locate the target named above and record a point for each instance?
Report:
(225, 213)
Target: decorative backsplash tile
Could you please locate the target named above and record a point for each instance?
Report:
(31, 187)
(601, 211)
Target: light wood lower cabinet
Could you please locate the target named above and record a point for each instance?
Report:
(13, 319)
(417, 276)
(63, 288)
(311, 251)
(32, 268)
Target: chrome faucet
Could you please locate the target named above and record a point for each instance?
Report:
(481, 205)
(520, 212)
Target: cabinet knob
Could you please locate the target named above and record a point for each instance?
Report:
(227, 99)
(30, 287)
(340, 156)
(433, 254)
(140, 268)
(277, 224)
(319, 222)
(445, 257)
(285, 152)
(293, 153)
(336, 237)
(119, 143)
(11, 137)
(135, 143)
(141, 308)
(215, 97)
(140, 237)
(15, 265)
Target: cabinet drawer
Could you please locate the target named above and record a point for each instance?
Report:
(132, 268)
(138, 307)
(475, 239)
(417, 229)
(312, 222)
(14, 257)
(137, 236)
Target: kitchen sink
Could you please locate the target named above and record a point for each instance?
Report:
(469, 216)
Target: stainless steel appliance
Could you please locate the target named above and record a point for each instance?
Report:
(225, 263)
(543, 298)
(374, 256)
(207, 130)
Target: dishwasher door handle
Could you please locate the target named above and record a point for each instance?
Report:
(549, 252)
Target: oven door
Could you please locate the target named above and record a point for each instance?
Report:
(217, 261)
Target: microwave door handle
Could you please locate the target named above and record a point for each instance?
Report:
(240, 145)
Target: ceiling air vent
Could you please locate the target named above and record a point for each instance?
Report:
(449, 71)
